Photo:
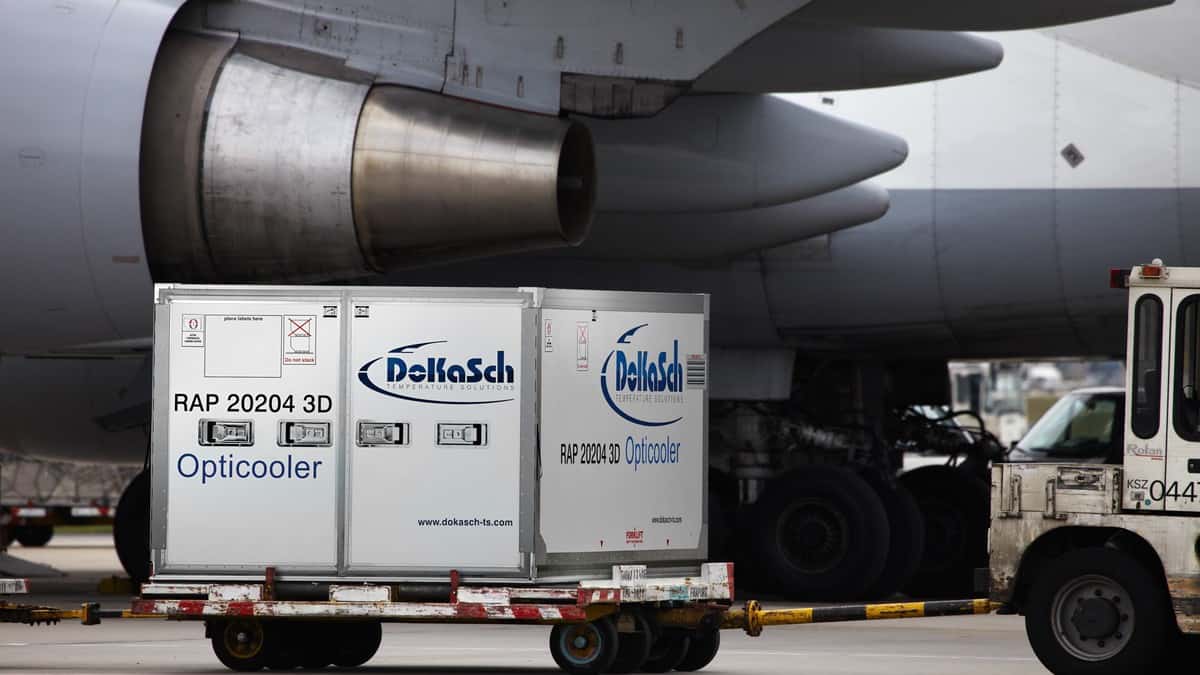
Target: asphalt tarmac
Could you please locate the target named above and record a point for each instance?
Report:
(980, 645)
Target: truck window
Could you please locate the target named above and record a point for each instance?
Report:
(1186, 406)
(1147, 366)
(1078, 427)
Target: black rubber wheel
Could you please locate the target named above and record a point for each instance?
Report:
(669, 650)
(242, 644)
(131, 528)
(584, 647)
(357, 643)
(34, 536)
(703, 648)
(906, 541)
(315, 644)
(633, 648)
(954, 507)
(820, 533)
(722, 507)
(1098, 611)
(290, 646)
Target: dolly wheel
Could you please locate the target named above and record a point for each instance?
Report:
(357, 643)
(584, 647)
(633, 648)
(241, 644)
(705, 643)
(668, 651)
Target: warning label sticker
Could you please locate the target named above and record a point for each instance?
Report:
(581, 347)
(299, 342)
(193, 330)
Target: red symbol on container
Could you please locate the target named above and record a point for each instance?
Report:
(300, 328)
(193, 324)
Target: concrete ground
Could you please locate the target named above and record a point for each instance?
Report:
(980, 645)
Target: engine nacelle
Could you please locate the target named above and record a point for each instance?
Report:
(294, 170)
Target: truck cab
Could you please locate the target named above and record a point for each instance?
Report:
(1103, 560)
(1084, 426)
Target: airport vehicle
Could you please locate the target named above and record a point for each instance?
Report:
(1101, 558)
(140, 159)
(36, 495)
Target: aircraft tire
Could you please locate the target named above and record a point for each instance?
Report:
(34, 536)
(907, 542)
(954, 507)
(821, 533)
(131, 528)
(722, 502)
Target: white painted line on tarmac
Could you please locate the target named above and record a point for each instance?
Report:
(156, 643)
(881, 655)
(541, 650)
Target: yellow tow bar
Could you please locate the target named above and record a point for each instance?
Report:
(89, 614)
(753, 618)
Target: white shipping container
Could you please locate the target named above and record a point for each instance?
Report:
(401, 433)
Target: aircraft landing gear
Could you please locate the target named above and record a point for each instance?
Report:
(131, 528)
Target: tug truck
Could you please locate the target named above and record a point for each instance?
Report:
(1103, 561)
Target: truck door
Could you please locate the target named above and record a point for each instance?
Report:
(1178, 488)
(1146, 384)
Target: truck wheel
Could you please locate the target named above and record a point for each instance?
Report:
(242, 644)
(131, 528)
(633, 648)
(34, 536)
(668, 651)
(1096, 611)
(703, 648)
(907, 543)
(584, 647)
(820, 533)
(357, 643)
(954, 508)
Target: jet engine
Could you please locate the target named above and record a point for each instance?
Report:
(295, 170)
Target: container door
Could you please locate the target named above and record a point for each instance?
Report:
(244, 434)
(1177, 489)
(435, 470)
(1147, 378)
(623, 432)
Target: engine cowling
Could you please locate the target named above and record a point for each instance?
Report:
(294, 171)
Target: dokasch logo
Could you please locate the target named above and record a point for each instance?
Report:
(428, 378)
(640, 377)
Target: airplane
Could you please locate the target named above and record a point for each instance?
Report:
(633, 144)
